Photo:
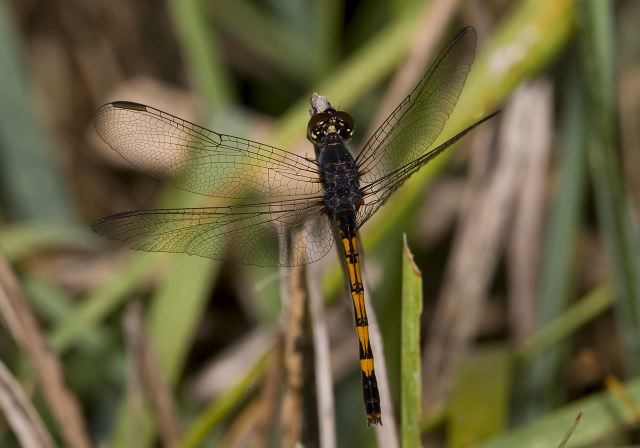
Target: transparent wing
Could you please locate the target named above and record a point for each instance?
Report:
(285, 233)
(376, 193)
(196, 159)
(406, 136)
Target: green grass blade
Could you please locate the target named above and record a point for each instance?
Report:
(539, 377)
(411, 398)
(21, 240)
(564, 325)
(201, 53)
(104, 301)
(217, 411)
(479, 406)
(176, 309)
(51, 303)
(597, 36)
(327, 35)
(603, 414)
(32, 185)
(283, 49)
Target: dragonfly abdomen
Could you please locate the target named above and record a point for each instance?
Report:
(369, 383)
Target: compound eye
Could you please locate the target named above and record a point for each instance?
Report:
(346, 132)
(345, 118)
(315, 127)
(347, 125)
(315, 135)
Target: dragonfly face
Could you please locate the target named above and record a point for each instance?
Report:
(306, 203)
(330, 121)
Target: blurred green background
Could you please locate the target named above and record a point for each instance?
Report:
(526, 233)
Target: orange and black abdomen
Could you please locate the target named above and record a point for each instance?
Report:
(369, 382)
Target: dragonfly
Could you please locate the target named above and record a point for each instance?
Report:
(304, 205)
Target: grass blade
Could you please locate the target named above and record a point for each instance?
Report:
(23, 326)
(411, 398)
(23, 239)
(201, 53)
(101, 303)
(539, 376)
(603, 414)
(479, 406)
(621, 238)
(284, 49)
(215, 413)
(32, 184)
(20, 414)
(177, 305)
(572, 428)
(553, 333)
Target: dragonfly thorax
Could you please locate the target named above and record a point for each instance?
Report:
(339, 176)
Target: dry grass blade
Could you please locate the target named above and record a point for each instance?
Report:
(217, 412)
(475, 253)
(386, 434)
(24, 328)
(148, 371)
(291, 413)
(629, 101)
(268, 400)
(221, 373)
(20, 413)
(572, 428)
(616, 388)
(525, 242)
(244, 429)
(324, 380)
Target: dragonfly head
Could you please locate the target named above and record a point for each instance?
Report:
(328, 122)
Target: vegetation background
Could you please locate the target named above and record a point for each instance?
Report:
(526, 234)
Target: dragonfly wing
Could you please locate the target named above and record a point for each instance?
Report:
(286, 233)
(196, 159)
(408, 133)
(376, 193)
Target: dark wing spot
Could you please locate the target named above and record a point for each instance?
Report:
(129, 105)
